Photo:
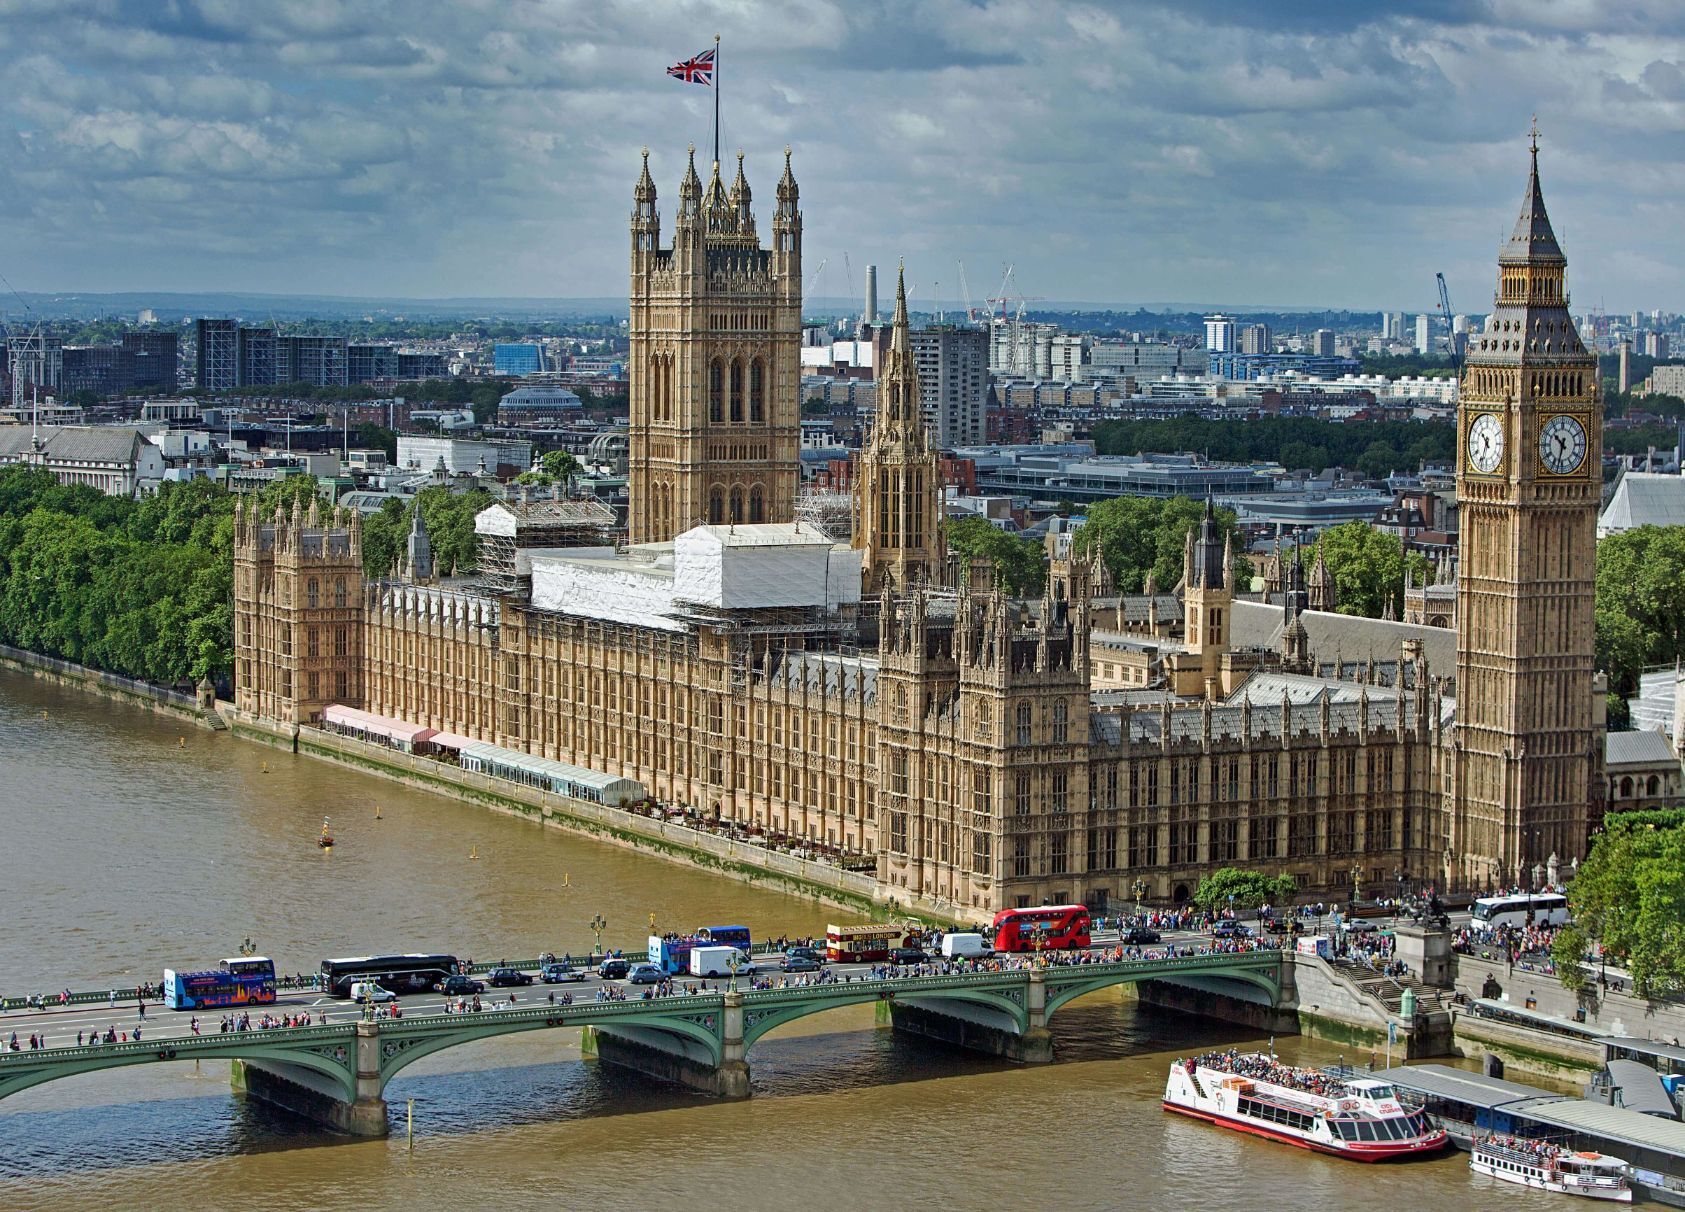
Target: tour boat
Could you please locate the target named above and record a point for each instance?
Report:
(1360, 1118)
(1551, 1168)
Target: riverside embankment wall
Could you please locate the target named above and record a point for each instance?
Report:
(678, 843)
(136, 693)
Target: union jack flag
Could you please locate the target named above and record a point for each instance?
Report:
(698, 69)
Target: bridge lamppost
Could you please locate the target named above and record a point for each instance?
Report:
(1357, 873)
(598, 925)
(1139, 888)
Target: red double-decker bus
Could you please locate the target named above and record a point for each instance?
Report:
(1044, 928)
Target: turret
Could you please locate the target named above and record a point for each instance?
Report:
(646, 224)
(787, 231)
(740, 200)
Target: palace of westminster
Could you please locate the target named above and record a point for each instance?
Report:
(883, 697)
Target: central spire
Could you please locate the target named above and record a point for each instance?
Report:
(899, 341)
(1533, 240)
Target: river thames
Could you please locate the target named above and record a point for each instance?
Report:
(123, 850)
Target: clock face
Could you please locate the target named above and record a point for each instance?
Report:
(1486, 443)
(1562, 445)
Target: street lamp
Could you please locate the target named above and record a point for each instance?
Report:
(1356, 874)
(1139, 887)
(598, 925)
(1039, 938)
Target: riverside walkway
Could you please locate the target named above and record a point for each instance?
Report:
(336, 1073)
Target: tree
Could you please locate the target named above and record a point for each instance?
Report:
(560, 465)
(1629, 895)
(1018, 562)
(1137, 535)
(1242, 889)
(1368, 567)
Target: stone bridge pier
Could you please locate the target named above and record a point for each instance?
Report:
(313, 1094)
(719, 1067)
(979, 1026)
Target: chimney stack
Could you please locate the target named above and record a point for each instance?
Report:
(871, 295)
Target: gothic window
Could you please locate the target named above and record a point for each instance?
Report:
(979, 789)
(737, 386)
(311, 592)
(716, 505)
(339, 595)
(1061, 791)
(1023, 723)
(736, 505)
(1059, 853)
(757, 391)
(716, 390)
(1021, 794)
(1061, 726)
(757, 504)
(1020, 856)
(980, 849)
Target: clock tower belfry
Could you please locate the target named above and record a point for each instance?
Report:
(1528, 757)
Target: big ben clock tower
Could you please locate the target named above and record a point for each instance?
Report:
(1529, 741)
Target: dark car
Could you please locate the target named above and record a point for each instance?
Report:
(799, 963)
(646, 974)
(1140, 934)
(502, 978)
(908, 955)
(812, 953)
(458, 985)
(1228, 928)
(1274, 925)
(558, 974)
(614, 969)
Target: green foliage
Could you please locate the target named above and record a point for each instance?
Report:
(1394, 366)
(1368, 567)
(142, 588)
(1019, 563)
(1630, 894)
(1378, 447)
(1640, 602)
(449, 518)
(1243, 889)
(377, 437)
(560, 465)
(1638, 439)
(1141, 534)
(1618, 713)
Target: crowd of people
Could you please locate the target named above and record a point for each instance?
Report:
(1525, 947)
(1261, 1068)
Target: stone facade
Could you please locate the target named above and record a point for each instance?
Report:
(968, 741)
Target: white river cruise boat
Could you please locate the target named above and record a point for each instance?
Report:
(1550, 1167)
(1354, 1117)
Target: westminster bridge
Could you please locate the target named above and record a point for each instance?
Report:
(336, 1074)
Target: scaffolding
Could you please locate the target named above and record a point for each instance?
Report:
(828, 511)
(507, 528)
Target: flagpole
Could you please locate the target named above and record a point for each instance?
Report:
(716, 98)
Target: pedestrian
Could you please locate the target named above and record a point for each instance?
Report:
(111, 1000)
(142, 1006)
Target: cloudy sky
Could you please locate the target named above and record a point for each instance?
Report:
(1325, 152)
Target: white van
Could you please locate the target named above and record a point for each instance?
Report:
(718, 961)
(965, 946)
(368, 991)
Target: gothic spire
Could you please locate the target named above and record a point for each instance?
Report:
(899, 341)
(1533, 241)
(740, 186)
(787, 183)
(644, 191)
(690, 189)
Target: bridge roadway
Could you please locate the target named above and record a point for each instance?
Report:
(336, 1070)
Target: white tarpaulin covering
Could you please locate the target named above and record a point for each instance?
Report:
(747, 567)
(624, 589)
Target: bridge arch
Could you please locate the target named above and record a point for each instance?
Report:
(334, 1057)
(1263, 977)
(400, 1048)
(767, 1011)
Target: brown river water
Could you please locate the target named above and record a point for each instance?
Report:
(121, 852)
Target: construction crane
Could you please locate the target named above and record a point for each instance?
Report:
(1450, 336)
(965, 295)
(813, 279)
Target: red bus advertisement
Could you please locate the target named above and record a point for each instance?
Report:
(1044, 928)
(867, 944)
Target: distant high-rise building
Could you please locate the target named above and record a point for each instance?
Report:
(1255, 339)
(1322, 343)
(517, 358)
(1389, 332)
(1219, 334)
(1655, 345)
(1398, 326)
(953, 376)
(105, 370)
(1624, 381)
(156, 359)
(1459, 323)
(1424, 334)
(257, 364)
(217, 363)
(367, 363)
(1069, 354)
(317, 360)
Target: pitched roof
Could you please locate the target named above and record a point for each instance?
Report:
(1629, 748)
(1532, 239)
(79, 444)
(1348, 636)
(1644, 498)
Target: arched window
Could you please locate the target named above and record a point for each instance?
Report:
(311, 591)
(339, 595)
(1652, 786)
(757, 504)
(716, 390)
(716, 505)
(757, 391)
(736, 505)
(737, 390)
(1626, 787)
(1022, 722)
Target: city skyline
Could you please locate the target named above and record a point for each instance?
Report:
(1142, 154)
